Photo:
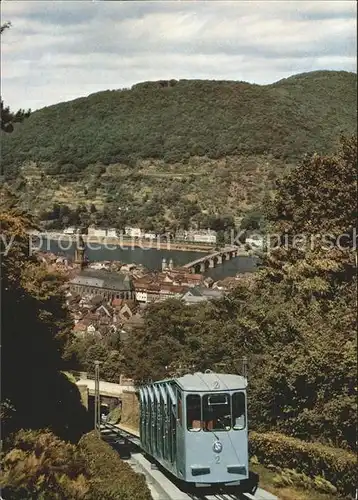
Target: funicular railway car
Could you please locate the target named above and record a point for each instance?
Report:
(195, 426)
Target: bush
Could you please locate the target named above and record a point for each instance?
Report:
(39, 465)
(313, 459)
(112, 479)
(289, 477)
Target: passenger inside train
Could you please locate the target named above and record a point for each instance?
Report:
(219, 412)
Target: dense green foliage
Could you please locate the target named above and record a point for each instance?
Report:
(167, 155)
(295, 320)
(62, 216)
(337, 466)
(40, 466)
(153, 194)
(177, 119)
(111, 479)
(36, 394)
(36, 326)
(8, 118)
(80, 353)
(171, 155)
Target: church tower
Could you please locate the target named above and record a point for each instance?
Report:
(80, 252)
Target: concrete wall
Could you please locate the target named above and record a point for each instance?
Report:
(126, 381)
(130, 409)
(84, 394)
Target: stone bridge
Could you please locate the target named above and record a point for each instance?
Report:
(109, 392)
(214, 259)
(107, 389)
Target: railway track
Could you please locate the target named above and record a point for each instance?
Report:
(161, 484)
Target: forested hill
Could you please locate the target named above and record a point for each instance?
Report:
(173, 120)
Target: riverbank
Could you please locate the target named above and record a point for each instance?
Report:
(125, 242)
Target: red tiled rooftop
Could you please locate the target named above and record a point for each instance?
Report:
(117, 302)
(80, 327)
(153, 288)
(173, 289)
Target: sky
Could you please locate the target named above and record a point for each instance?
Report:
(59, 50)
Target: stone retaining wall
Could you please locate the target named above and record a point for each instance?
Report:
(130, 409)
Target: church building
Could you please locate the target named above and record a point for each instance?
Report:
(109, 285)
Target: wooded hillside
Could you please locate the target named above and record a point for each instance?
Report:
(177, 119)
(171, 153)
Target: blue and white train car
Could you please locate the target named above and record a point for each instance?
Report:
(195, 426)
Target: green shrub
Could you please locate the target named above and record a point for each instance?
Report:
(319, 462)
(112, 479)
(289, 477)
(39, 465)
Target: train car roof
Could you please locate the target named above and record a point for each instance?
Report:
(209, 382)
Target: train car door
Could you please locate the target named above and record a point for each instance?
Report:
(159, 437)
(142, 416)
(145, 438)
(180, 434)
(169, 429)
(153, 422)
(172, 407)
(164, 424)
(147, 421)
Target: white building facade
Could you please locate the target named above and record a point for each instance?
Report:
(133, 232)
(97, 232)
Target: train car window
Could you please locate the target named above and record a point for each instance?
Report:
(217, 412)
(238, 411)
(193, 412)
(218, 399)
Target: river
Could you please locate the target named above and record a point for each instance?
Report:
(151, 258)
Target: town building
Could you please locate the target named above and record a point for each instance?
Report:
(254, 241)
(150, 236)
(204, 237)
(196, 295)
(133, 232)
(80, 260)
(124, 309)
(181, 276)
(112, 233)
(147, 292)
(167, 266)
(96, 316)
(97, 232)
(152, 286)
(171, 291)
(98, 265)
(199, 236)
(104, 283)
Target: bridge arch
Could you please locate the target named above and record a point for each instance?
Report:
(197, 268)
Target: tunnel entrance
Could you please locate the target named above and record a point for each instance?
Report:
(107, 405)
